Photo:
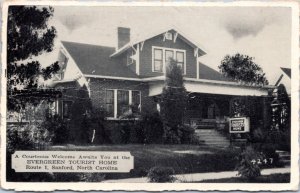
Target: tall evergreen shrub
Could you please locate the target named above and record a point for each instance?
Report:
(173, 103)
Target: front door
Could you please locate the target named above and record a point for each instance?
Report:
(213, 111)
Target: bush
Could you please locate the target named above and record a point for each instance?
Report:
(151, 128)
(25, 137)
(58, 129)
(173, 102)
(147, 130)
(171, 135)
(248, 166)
(188, 135)
(161, 174)
(123, 132)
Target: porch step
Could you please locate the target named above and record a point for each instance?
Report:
(284, 158)
(212, 137)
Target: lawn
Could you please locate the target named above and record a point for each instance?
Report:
(182, 158)
(273, 178)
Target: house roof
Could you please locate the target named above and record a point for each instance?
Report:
(287, 71)
(150, 35)
(95, 60)
(208, 73)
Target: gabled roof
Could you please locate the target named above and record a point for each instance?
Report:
(150, 35)
(287, 71)
(208, 73)
(95, 60)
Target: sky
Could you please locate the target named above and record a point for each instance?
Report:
(260, 32)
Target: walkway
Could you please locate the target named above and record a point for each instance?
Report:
(202, 176)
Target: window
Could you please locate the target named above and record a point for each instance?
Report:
(169, 36)
(158, 60)
(109, 103)
(169, 55)
(66, 109)
(180, 60)
(162, 56)
(136, 101)
(123, 102)
(120, 102)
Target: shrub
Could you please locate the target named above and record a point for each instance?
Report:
(173, 102)
(58, 129)
(115, 132)
(248, 167)
(161, 174)
(16, 140)
(151, 128)
(148, 129)
(188, 135)
(171, 135)
(25, 137)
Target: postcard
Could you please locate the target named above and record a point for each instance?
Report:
(150, 96)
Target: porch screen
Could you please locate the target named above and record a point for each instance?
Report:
(109, 103)
(123, 102)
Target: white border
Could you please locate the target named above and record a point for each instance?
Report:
(293, 185)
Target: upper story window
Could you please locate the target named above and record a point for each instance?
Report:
(180, 60)
(169, 54)
(158, 60)
(161, 57)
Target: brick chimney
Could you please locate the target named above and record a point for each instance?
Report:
(123, 36)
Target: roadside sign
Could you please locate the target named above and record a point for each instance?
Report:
(239, 125)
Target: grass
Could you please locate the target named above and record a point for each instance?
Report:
(273, 178)
(182, 158)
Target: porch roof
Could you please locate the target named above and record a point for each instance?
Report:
(215, 87)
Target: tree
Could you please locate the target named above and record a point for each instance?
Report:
(242, 68)
(28, 35)
(173, 102)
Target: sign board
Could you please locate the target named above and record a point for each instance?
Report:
(239, 125)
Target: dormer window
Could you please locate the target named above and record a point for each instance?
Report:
(169, 36)
(161, 57)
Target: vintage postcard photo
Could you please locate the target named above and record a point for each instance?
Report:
(149, 96)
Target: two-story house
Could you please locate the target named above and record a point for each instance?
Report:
(132, 74)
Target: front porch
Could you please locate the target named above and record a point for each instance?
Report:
(211, 102)
(205, 110)
(209, 114)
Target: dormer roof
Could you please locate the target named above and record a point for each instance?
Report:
(150, 35)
